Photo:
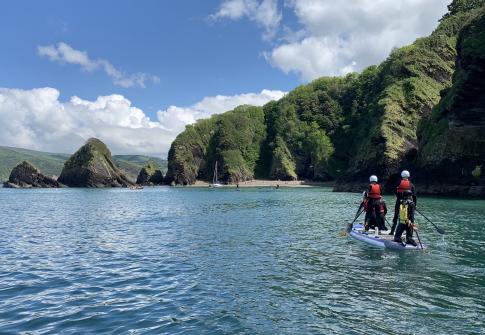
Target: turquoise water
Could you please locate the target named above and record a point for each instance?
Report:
(254, 261)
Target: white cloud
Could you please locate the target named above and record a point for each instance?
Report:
(36, 119)
(336, 37)
(175, 118)
(265, 13)
(64, 53)
(344, 36)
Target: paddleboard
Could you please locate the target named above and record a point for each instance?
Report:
(382, 240)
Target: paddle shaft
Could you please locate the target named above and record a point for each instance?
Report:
(438, 229)
(417, 235)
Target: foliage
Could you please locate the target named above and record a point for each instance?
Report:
(51, 164)
(452, 138)
(336, 128)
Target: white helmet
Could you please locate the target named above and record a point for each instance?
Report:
(405, 174)
(373, 178)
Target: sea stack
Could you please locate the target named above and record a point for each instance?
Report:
(25, 175)
(150, 175)
(93, 166)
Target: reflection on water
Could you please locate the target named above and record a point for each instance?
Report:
(254, 261)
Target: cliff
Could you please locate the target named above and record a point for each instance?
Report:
(150, 175)
(25, 175)
(451, 157)
(92, 166)
(347, 128)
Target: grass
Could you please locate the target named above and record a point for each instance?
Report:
(51, 164)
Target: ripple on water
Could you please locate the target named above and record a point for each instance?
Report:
(198, 261)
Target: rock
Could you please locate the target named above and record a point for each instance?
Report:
(93, 166)
(452, 141)
(149, 175)
(25, 175)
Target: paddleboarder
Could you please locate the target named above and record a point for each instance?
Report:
(374, 205)
(404, 186)
(404, 210)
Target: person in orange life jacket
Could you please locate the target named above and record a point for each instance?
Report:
(405, 194)
(404, 187)
(375, 206)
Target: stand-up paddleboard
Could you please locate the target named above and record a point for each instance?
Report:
(382, 240)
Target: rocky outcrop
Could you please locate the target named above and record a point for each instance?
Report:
(232, 139)
(451, 157)
(150, 175)
(25, 175)
(93, 166)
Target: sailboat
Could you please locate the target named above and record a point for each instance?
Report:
(215, 182)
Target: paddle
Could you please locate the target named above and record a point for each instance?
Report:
(419, 240)
(344, 232)
(359, 213)
(438, 229)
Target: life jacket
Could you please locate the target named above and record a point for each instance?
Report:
(405, 185)
(403, 213)
(374, 191)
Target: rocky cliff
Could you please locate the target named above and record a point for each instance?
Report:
(150, 175)
(451, 156)
(348, 128)
(233, 139)
(92, 166)
(25, 175)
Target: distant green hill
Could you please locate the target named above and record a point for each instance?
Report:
(51, 164)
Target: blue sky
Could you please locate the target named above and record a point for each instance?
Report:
(193, 56)
(134, 73)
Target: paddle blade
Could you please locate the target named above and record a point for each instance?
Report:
(441, 231)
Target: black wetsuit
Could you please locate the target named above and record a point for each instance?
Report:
(373, 215)
(409, 198)
(399, 197)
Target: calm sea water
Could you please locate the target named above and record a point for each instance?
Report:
(254, 261)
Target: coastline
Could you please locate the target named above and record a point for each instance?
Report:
(269, 183)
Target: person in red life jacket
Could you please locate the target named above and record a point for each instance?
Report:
(374, 204)
(405, 194)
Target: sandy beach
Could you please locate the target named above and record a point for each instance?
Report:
(270, 183)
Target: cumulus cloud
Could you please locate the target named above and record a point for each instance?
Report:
(65, 54)
(345, 36)
(335, 37)
(265, 13)
(175, 118)
(37, 119)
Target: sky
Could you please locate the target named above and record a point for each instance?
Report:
(135, 73)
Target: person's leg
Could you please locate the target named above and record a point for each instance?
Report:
(382, 222)
(409, 228)
(373, 214)
(367, 218)
(399, 230)
(396, 215)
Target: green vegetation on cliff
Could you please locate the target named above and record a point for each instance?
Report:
(233, 139)
(333, 128)
(150, 175)
(452, 139)
(51, 164)
(92, 166)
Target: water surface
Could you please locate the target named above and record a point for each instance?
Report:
(254, 261)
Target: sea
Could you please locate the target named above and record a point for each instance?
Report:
(170, 260)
